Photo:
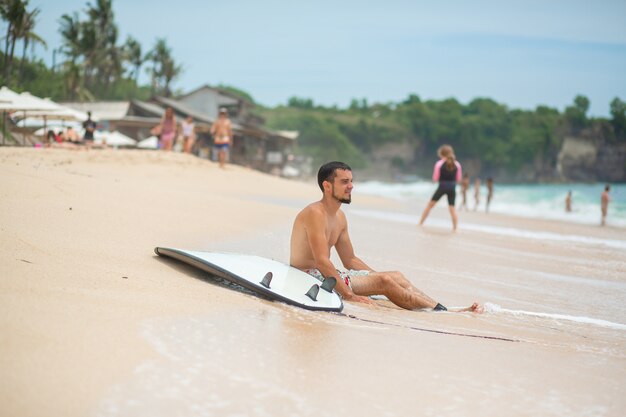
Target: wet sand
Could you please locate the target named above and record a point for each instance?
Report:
(93, 323)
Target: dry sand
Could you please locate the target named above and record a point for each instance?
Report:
(93, 323)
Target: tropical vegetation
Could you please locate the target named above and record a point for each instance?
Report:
(94, 63)
(491, 138)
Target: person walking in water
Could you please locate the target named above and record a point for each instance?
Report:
(222, 132)
(447, 172)
(489, 193)
(568, 202)
(604, 203)
(465, 184)
(476, 193)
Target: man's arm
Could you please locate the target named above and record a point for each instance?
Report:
(346, 251)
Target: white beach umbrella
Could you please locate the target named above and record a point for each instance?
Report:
(114, 138)
(57, 128)
(149, 143)
(12, 101)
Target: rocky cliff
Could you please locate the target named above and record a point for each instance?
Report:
(591, 159)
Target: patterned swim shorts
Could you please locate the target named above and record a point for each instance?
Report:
(344, 275)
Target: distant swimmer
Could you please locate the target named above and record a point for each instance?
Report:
(568, 202)
(476, 193)
(447, 172)
(604, 202)
(465, 184)
(489, 193)
(322, 225)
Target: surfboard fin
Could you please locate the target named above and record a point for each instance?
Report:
(313, 291)
(266, 280)
(329, 284)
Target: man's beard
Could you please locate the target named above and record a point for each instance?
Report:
(342, 200)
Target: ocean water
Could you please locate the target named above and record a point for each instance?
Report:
(551, 340)
(542, 201)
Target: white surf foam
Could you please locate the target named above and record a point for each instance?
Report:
(494, 308)
(503, 231)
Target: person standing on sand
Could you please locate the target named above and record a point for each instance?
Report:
(167, 130)
(604, 203)
(322, 225)
(476, 193)
(489, 193)
(90, 127)
(447, 172)
(189, 134)
(222, 132)
(465, 183)
(568, 202)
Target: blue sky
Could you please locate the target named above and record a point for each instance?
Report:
(520, 53)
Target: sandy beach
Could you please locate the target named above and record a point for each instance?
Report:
(93, 323)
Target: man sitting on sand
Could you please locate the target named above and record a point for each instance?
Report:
(322, 225)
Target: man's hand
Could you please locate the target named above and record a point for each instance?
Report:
(359, 299)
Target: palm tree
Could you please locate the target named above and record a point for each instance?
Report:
(132, 53)
(71, 33)
(105, 59)
(75, 82)
(13, 12)
(156, 56)
(169, 72)
(28, 35)
(164, 69)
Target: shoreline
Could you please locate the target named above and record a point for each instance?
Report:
(95, 323)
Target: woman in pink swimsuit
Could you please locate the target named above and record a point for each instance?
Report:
(168, 130)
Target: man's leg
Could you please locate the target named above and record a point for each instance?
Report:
(399, 290)
(395, 287)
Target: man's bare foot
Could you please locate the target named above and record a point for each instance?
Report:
(474, 308)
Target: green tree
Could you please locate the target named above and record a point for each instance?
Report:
(300, 103)
(576, 115)
(133, 54)
(163, 69)
(28, 35)
(12, 11)
(618, 118)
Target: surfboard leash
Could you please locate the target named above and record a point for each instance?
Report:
(421, 329)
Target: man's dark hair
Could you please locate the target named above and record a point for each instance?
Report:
(327, 172)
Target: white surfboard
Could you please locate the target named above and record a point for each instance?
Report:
(267, 277)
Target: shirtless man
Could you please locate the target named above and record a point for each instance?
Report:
(489, 193)
(322, 225)
(222, 132)
(604, 203)
(476, 193)
(568, 202)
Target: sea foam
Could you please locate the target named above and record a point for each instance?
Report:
(497, 230)
(494, 308)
